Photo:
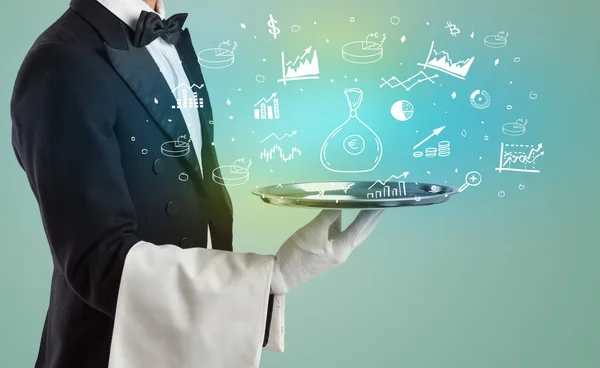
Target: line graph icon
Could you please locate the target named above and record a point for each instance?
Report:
(273, 135)
(519, 157)
(442, 62)
(394, 82)
(303, 67)
(277, 151)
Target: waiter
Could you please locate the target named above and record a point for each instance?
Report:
(141, 237)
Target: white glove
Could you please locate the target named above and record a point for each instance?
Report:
(319, 246)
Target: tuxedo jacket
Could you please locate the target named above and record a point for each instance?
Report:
(90, 114)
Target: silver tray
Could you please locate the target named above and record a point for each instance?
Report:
(360, 194)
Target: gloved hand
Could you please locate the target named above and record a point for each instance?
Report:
(319, 246)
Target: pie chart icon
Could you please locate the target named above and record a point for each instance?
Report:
(216, 58)
(362, 52)
(402, 110)
(480, 99)
(514, 129)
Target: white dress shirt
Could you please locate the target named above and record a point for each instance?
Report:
(166, 58)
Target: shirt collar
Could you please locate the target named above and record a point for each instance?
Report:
(129, 10)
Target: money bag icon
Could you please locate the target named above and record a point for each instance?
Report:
(352, 147)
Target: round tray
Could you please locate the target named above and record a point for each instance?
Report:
(360, 194)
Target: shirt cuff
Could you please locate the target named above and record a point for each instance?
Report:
(277, 328)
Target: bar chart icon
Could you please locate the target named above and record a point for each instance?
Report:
(187, 97)
(267, 109)
(391, 190)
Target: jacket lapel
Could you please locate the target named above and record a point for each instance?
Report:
(139, 70)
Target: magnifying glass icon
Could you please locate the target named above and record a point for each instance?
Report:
(472, 179)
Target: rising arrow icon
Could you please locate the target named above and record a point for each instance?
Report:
(435, 132)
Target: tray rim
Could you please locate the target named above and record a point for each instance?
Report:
(292, 202)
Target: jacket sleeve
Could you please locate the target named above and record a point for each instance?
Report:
(63, 116)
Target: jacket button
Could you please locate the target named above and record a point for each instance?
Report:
(172, 208)
(158, 166)
(186, 242)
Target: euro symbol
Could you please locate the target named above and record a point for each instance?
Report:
(354, 144)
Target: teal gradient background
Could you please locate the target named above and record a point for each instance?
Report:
(480, 281)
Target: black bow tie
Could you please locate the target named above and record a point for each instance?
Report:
(150, 27)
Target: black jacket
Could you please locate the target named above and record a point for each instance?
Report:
(87, 130)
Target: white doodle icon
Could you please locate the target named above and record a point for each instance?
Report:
(178, 148)
(452, 28)
(441, 61)
(496, 41)
(472, 179)
(402, 110)
(516, 128)
(232, 175)
(276, 150)
(442, 150)
(519, 157)
(405, 84)
(219, 57)
(273, 135)
(187, 96)
(267, 109)
(385, 189)
(435, 132)
(480, 99)
(347, 187)
(303, 67)
(272, 23)
(353, 146)
(364, 52)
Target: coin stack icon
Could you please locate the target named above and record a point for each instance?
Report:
(430, 152)
(444, 149)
